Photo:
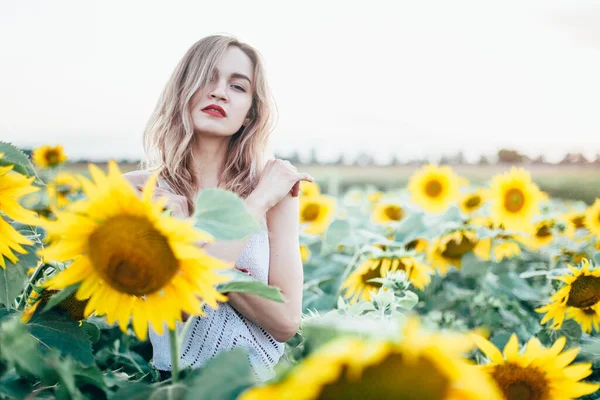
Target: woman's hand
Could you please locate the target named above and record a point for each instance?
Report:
(278, 178)
(176, 203)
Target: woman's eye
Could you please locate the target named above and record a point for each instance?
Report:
(238, 87)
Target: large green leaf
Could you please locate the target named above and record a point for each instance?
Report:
(20, 349)
(12, 278)
(337, 231)
(243, 283)
(224, 215)
(56, 329)
(13, 155)
(222, 378)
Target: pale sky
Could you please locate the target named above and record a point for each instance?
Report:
(415, 78)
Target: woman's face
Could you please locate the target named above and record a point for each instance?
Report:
(230, 88)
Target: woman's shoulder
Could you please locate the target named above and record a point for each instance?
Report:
(137, 177)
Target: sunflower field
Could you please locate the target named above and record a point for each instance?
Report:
(442, 289)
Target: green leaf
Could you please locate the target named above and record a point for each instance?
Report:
(12, 278)
(136, 391)
(224, 215)
(222, 378)
(244, 283)
(20, 349)
(56, 329)
(337, 231)
(13, 386)
(92, 331)
(14, 155)
(60, 296)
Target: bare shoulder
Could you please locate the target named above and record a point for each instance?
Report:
(137, 177)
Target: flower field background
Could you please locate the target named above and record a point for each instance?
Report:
(444, 285)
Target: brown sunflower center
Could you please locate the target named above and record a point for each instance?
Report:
(585, 292)
(52, 157)
(521, 383)
(394, 213)
(372, 274)
(577, 221)
(473, 202)
(514, 200)
(393, 378)
(131, 255)
(433, 188)
(310, 212)
(457, 250)
(543, 231)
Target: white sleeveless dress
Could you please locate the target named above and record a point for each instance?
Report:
(225, 328)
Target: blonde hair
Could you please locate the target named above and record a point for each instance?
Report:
(169, 134)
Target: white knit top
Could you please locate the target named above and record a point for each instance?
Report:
(225, 328)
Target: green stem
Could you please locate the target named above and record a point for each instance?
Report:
(174, 354)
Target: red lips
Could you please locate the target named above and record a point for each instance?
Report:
(215, 108)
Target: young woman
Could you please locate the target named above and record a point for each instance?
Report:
(210, 129)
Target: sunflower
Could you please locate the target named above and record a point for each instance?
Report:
(309, 188)
(434, 188)
(537, 373)
(592, 218)
(37, 299)
(358, 285)
(579, 299)
(374, 197)
(515, 199)
(542, 235)
(448, 250)
(63, 185)
(13, 187)
(506, 248)
(48, 156)
(132, 261)
(387, 212)
(422, 366)
(574, 221)
(418, 245)
(472, 201)
(316, 213)
(304, 253)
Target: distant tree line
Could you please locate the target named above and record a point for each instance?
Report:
(503, 156)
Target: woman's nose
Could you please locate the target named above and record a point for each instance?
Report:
(218, 92)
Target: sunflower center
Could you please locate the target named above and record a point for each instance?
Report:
(457, 250)
(372, 274)
(131, 255)
(521, 383)
(394, 213)
(514, 200)
(473, 202)
(433, 188)
(578, 221)
(543, 231)
(310, 212)
(393, 378)
(585, 292)
(52, 157)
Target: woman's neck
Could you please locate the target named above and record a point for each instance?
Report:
(210, 153)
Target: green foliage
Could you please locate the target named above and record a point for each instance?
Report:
(13, 155)
(243, 283)
(223, 214)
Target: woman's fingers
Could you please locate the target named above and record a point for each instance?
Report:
(296, 189)
(303, 176)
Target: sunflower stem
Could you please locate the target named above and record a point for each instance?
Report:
(173, 340)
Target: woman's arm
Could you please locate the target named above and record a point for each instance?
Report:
(281, 320)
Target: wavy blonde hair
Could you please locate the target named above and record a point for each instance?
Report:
(169, 134)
